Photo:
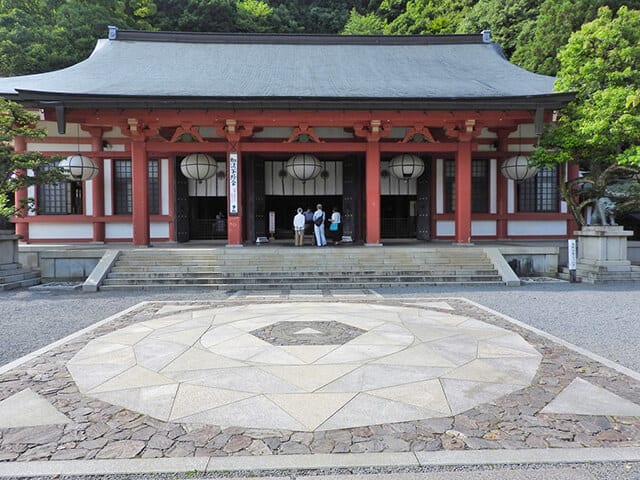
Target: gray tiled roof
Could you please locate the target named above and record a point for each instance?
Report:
(252, 69)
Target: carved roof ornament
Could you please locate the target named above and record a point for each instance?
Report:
(303, 134)
(186, 133)
(418, 134)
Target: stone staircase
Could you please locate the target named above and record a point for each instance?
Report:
(267, 267)
(14, 275)
(603, 275)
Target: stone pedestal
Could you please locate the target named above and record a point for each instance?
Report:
(8, 247)
(602, 254)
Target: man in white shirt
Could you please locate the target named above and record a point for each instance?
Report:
(298, 227)
(321, 240)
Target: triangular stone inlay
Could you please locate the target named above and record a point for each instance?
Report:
(308, 331)
(583, 398)
(28, 409)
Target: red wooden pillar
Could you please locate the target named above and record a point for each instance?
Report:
(140, 185)
(501, 183)
(463, 192)
(234, 196)
(22, 228)
(372, 191)
(97, 190)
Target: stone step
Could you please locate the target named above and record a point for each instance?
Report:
(325, 280)
(10, 266)
(123, 274)
(298, 286)
(290, 268)
(30, 282)
(307, 261)
(248, 269)
(17, 275)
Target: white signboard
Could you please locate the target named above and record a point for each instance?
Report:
(572, 254)
(272, 222)
(233, 183)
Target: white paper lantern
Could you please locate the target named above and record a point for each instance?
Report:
(198, 166)
(517, 168)
(78, 168)
(304, 166)
(406, 166)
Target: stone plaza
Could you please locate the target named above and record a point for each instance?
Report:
(302, 376)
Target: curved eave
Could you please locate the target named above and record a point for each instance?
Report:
(48, 100)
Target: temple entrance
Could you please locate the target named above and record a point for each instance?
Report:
(269, 188)
(284, 208)
(207, 219)
(201, 206)
(405, 204)
(398, 216)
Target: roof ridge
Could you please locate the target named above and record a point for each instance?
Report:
(292, 38)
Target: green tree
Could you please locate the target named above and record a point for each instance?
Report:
(539, 42)
(600, 130)
(45, 35)
(16, 121)
(506, 20)
(253, 16)
(430, 17)
(363, 24)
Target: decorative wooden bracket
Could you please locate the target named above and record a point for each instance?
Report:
(139, 131)
(463, 131)
(234, 132)
(303, 133)
(186, 129)
(372, 131)
(418, 134)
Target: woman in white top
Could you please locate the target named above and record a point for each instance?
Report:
(336, 226)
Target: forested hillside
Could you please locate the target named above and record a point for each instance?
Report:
(43, 35)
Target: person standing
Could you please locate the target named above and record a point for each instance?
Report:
(318, 226)
(308, 216)
(298, 228)
(335, 226)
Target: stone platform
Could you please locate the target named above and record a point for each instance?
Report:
(260, 375)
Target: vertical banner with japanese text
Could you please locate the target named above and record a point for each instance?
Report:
(233, 183)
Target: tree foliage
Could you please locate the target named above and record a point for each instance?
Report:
(16, 121)
(600, 130)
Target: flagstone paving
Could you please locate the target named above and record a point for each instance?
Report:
(287, 375)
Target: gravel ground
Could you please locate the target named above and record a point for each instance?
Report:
(580, 471)
(604, 319)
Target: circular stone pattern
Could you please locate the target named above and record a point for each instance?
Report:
(304, 366)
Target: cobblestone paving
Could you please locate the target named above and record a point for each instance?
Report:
(99, 430)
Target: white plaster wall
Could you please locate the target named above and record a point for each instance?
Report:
(483, 228)
(108, 205)
(439, 185)
(445, 228)
(391, 185)
(87, 190)
(119, 230)
(213, 187)
(536, 227)
(83, 231)
(58, 147)
(275, 185)
(164, 186)
(493, 185)
(159, 229)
